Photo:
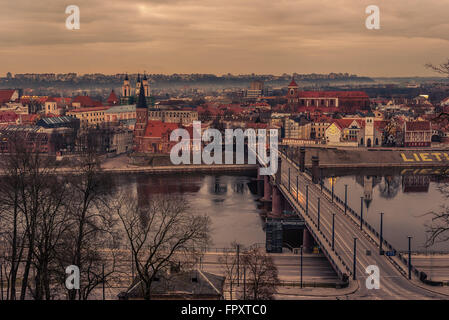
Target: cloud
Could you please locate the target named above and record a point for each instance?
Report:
(216, 36)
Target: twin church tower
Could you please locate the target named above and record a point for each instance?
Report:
(130, 96)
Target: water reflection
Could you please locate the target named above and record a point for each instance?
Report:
(406, 201)
(227, 199)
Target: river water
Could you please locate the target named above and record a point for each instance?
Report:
(234, 213)
(406, 201)
(226, 199)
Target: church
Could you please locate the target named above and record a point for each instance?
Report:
(130, 96)
(326, 101)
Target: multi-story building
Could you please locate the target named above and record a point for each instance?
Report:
(318, 129)
(121, 141)
(117, 114)
(36, 139)
(51, 107)
(255, 90)
(89, 116)
(297, 128)
(417, 134)
(326, 101)
(184, 117)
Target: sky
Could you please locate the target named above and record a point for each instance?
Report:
(224, 36)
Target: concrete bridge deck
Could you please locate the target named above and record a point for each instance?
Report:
(298, 189)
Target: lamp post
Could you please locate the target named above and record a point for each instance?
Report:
(333, 231)
(332, 189)
(346, 197)
(297, 188)
(319, 209)
(321, 179)
(307, 199)
(361, 213)
(409, 257)
(301, 265)
(288, 179)
(381, 234)
(354, 269)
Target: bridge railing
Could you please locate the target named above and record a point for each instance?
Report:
(324, 246)
(421, 275)
(385, 243)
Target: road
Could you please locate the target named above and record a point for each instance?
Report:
(393, 285)
(316, 268)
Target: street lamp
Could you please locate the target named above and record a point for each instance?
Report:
(361, 213)
(381, 240)
(346, 197)
(321, 179)
(332, 179)
(319, 209)
(301, 265)
(354, 270)
(333, 231)
(307, 199)
(409, 257)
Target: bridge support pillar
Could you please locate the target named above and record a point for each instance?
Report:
(266, 188)
(315, 169)
(260, 184)
(302, 159)
(307, 240)
(276, 207)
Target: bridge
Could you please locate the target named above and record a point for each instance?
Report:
(349, 243)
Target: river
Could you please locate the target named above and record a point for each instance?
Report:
(235, 216)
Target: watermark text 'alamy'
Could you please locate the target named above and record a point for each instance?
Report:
(212, 151)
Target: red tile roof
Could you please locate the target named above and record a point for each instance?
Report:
(88, 109)
(418, 126)
(5, 95)
(156, 129)
(333, 94)
(8, 117)
(112, 99)
(293, 83)
(86, 101)
(345, 123)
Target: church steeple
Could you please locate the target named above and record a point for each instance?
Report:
(141, 118)
(145, 85)
(142, 101)
(126, 88)
(138, 84)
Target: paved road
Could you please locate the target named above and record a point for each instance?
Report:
(316, 268)
(393, 285)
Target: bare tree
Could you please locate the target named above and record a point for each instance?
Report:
(261, 274)
(49, 221)
(91, 236)
(161, 233)
(12, 231)
(230, 265)
(27, 190)
(438, 229)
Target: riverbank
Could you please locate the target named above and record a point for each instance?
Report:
(377, 158)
